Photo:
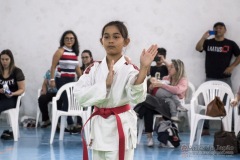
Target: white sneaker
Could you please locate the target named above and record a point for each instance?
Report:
(150, 142)
(175, 119)
(168, 145)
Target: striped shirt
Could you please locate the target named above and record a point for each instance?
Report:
(68, 63)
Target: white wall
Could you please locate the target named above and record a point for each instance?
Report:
(32, 30)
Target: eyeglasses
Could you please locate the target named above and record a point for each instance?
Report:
(69, 39)
(85, 57)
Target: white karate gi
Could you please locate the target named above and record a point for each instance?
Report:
(91, 90)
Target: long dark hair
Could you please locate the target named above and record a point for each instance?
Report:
(83, 67)
(7, 52)
(75, 46)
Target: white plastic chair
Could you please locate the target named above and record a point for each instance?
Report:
(209, 90)
(38, 110)
(74, 109)
(236, 119)
(186, 102)
(190, 92)
(12, 115)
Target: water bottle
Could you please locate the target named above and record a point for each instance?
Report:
(6, 88)
(157, 75)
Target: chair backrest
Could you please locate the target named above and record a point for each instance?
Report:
(190, 91)
(215, 82)
(19, 100)
(211, 89)
(73, 104)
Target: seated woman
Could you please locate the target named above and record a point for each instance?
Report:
(47, 93)
(12, 84)
(178, 85)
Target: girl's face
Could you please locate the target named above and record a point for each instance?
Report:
(86, 59)
(69, 40)
(171, 70)
(112, 41)
(5, 60)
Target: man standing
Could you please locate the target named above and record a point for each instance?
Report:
(219, 52)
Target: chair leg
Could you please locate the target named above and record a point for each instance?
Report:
(62, 127)
(192, 132)
(13, 118)
(54, 125)
(199, 131)
(37, 117)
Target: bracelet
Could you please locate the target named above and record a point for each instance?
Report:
(52, 79)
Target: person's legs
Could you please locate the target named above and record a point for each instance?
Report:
(59, 83)
(97, 155)
(43, 101)
(163, 93)
(173, 108)
(112, 155)
(148, 122)
(7, 103)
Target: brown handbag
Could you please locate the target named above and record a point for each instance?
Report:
(216, 108)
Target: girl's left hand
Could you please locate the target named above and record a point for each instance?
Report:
(147, 57)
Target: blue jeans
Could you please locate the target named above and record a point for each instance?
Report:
(59, 83)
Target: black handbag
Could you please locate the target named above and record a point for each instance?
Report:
(238, 141)
(225, 142)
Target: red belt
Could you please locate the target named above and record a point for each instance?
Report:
(106, 112)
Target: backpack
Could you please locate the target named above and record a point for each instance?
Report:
(168, 132)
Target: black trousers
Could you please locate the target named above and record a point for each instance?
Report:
(147, 114)
(43, 101)
(7, 103)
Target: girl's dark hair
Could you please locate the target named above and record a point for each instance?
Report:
(7, 52)
(121, 27)
(83, 67)
(75, 46)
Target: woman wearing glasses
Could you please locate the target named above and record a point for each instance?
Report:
(65, 60)
(87, 59)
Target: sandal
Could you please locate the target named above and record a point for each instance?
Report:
(7, 135)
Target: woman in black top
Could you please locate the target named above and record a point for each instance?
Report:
(11, 77)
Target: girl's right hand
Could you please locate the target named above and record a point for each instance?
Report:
(109, 79)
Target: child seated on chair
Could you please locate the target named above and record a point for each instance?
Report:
(172, 88)
(235, 101)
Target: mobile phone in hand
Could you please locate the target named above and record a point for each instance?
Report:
(156, 59)
(212, 32)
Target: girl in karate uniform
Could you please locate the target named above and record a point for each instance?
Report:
(110, 85)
